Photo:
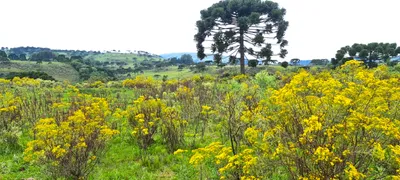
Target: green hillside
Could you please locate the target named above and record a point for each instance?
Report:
(126, 57)
(60, 71)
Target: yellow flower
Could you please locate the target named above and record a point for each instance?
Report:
(81, 145)
(93, 158)
(145, 131)
(322, 154)
(179, 151)
(353, 173)
(378, 152)
(151, 124)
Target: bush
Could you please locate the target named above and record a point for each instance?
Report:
(144, 118)
(339, 128)
(70, 148)
(181, 66)
(200, 67)
(264, 80)
(10, 120)
(253, 63)
(284, 64)
(333, 125)
(173, 128)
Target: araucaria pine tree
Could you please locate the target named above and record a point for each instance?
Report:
(240, 28)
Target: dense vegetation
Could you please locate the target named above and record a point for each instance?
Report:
(318, 123)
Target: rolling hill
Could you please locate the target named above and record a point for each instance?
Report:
(60, 71)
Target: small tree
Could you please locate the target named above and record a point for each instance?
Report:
(22, 57)
(157, 76)
(253, 63)
(3, 56)
(186, 59)
(200, 67)
(284, 64)
(13, 56)
(180, 67)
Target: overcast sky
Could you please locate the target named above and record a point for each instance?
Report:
(317, 27)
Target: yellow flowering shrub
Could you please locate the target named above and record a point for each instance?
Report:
(10, 120)
(334, 124)
(230, 166)
(97, 84)
(241, 77)
(144, 117)
(173, 128)
(70, 148)
(25, 82)
(148, 116)
(170, 85)
(144, 86)
(4, 81)
(203, 118)
(188, 103)
(139, 82)
(202, 78)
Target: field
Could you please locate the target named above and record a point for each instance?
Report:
(125, 57)
(293, 123)
(60, 71)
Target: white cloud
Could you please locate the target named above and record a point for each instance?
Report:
(317, 27)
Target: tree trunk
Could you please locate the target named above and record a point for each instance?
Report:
(241, 50)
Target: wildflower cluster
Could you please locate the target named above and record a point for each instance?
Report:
(10, 119)
(333, 124)
(334, 119)
(149, 115)
(70, 148)
(144, 118)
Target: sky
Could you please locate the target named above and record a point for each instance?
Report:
(317, 28)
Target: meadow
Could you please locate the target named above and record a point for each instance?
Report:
(317, 123)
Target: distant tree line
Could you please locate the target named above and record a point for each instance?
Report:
(30, 74)
(185, 59)
(319, 62)
(31, 50)
(369, 53)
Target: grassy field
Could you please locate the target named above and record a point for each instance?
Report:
(121, 161)
(173, 73)
(129, 58)
(60, 71)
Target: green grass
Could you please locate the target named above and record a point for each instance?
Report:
(172, 73)
(125, 57)
(122, 160)
(60, 71)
